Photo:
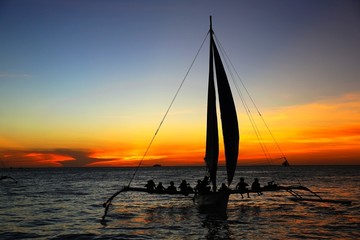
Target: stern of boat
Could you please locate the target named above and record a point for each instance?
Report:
(212, 201)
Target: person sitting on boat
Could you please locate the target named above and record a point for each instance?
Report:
(160, 187)
(271, 185)
(206, 183)
(185, 187)
(198, 186)
(223, 188)
(255, 186)
(242, 187)
(201, 187)
(150, 185)
(172, 187)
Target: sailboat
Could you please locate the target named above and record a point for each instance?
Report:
(230, 129)
(213, 199)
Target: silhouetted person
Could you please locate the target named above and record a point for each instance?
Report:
(198, 187)
(202, 186)
(255, 186)
(242, 187)
(223, 188)
(150, 185)
(183, 186)
(271, 185)
(172, 187)
(206, 183)
(160, 187)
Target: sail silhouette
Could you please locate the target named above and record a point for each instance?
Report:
(229, 122)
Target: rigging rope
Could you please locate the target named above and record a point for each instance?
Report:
(244, 102)
(167, 111)
(265, 150)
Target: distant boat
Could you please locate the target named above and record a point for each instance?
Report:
(157, 165)
(285, 163)
(7, 177)
(209, 197)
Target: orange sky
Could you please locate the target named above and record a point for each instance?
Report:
(323, 132)
(87, 83)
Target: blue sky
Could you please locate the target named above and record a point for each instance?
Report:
(70, 68)
(79, 45)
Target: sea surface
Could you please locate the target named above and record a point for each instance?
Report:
(66, 203)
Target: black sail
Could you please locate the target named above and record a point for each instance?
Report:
(212, 136)
(229, 120)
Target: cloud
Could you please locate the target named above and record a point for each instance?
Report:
(80, 158)
(330, 128)
(49, 158)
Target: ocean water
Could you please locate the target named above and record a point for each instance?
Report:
(66, 203)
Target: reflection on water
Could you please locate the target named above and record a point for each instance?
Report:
(67, 204)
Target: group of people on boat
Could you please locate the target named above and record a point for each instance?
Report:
(203, 186)
(184, 187)
(242, 187)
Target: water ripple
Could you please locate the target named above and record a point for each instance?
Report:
(67, 204)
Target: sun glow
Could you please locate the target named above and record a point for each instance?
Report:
(324, 132)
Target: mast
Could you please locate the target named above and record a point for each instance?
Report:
(212, 132)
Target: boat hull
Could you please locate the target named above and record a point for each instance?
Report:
(212, 201)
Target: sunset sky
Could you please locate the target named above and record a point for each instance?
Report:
(86, 83)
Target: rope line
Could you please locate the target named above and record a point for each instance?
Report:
(167, 111)
(231, 68)
(263, 146)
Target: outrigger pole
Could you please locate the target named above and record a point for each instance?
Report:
(293, 190)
